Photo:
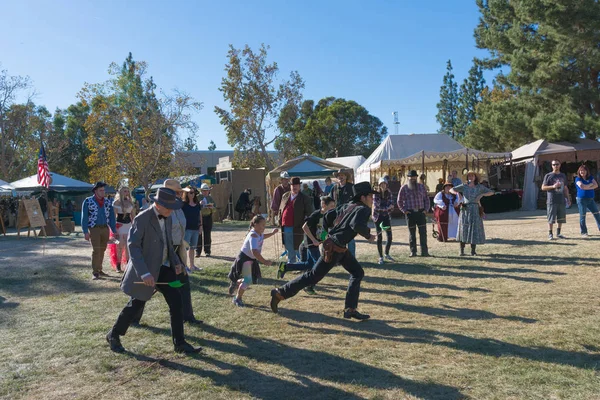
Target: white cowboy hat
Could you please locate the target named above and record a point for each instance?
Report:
(284, 175)
(204, 186)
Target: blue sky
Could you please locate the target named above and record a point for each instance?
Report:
(386, 55)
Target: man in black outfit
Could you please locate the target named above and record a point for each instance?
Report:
(153, 263)
(343, 223)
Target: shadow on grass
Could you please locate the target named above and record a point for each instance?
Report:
(374, 329)
(504, 270)
(522, 242)
(307, 365)
(544, 260)
(426, 269)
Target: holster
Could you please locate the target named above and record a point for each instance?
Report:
(328, 248)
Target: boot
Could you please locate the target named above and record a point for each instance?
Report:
(473, 246)
(462, 249)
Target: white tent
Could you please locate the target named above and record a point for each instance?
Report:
(59, 183)
(536, 153)
(432, 154)
(353, 162)
(5, 188)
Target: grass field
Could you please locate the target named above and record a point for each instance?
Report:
(519, 321)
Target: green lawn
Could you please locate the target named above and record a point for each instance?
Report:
(519, 321)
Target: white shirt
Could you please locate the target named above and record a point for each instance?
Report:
(253, 241)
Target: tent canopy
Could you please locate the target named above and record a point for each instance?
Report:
(434, 152)
(306, 166)
(350, 161)
(59, 183)
(584, 149)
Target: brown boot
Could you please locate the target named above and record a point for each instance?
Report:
(276, 297)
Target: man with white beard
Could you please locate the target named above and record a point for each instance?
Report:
(414, 203)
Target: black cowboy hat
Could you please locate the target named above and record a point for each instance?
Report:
(167, 198)
(98, 185)
(412, 173)
(295, 180)
(362, 189)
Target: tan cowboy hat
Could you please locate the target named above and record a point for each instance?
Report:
(173, 185)
(473, 173)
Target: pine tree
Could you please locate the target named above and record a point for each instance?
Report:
(448, 105)
(469, 97)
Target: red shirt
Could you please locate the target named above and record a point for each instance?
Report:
(287, 219)
(100, 201)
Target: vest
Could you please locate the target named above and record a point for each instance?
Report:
(93, 210)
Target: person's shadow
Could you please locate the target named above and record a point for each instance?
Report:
(309, 367)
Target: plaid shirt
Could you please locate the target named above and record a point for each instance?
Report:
(413, 200)
(382, 206)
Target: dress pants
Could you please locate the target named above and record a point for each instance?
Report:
(173, 298)
(417, 218)
(99, 238)
(205, 238)
(322, 268)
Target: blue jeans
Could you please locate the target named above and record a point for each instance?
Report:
(584, 204)
(352, 247)
(288, 238)
(313, 255)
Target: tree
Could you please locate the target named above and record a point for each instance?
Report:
(502, 121)
(212, 146)
(448, 105)
(469, 96)
(332, 128)
(133, 133)
(551, 49)
(255, 102)
(67, 148)
(189, 144)
(11, 143)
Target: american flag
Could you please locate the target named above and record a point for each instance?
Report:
(43, 175)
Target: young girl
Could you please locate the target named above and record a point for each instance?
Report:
(245, 269)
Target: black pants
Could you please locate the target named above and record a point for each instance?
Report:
(173, 298)
(322, 268)
(186, 300)
(385, 220)
(205, 239)
(417, 218)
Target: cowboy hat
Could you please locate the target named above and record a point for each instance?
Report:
(362, 189)
(296, 180)
(166, 198)
(204, 186)
(382, 180)
(173, 184)
(448, 184)
(284, 175)
(98, 185)
(412, 174)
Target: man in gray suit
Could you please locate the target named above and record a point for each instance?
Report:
(152, 261)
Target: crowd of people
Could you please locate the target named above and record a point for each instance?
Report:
(164, 239)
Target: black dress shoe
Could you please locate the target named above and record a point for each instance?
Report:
(185, 347)
(426, 254)
(135, 324)
(413, 255)
(102, 273)
(114, 342)
(355, 314)
(473, 253)
(193, 321)
(275, 299)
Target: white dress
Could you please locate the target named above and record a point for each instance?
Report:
(452, 215)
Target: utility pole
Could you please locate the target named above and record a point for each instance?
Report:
(396, 123)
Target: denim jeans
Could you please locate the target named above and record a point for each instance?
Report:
(288, 238)
(352, 247)
(311, 259)
(584, 204)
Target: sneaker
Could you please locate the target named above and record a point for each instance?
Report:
(561, 236)
(389, 258)
(102, 273)
(550, 236)
(194, 268)
(281, 270)
(355, 314)
(95, 277)
(380, 262)
(197, 255)
(238, 302)
(584, 235)
(413, 254)
(232, 286)
(310, 290)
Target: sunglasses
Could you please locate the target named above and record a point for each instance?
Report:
(555, 165)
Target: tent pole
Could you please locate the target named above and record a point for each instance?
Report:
(423, 161)
(512, 174)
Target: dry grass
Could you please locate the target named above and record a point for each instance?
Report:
(520, 321)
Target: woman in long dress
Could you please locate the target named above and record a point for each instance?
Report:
(446, 213)
(125, 213)
(470, 225)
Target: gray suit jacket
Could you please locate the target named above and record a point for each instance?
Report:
(146, 252)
